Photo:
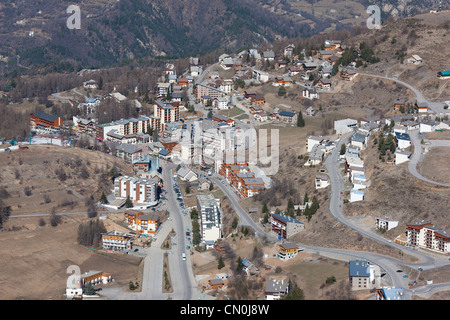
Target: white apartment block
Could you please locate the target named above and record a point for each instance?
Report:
(142, 191)
(385, 224)
(210, 217)
(425, 235)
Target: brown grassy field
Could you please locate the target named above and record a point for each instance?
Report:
(35, 260)
(435, 164)
(35, 255)
(36, 169)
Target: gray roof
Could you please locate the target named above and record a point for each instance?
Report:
(359, 268)
(128, 148)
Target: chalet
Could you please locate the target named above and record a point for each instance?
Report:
(323, 84)
(275, 289)
(325, 54)
(215, 283)
(258, 99)
(403, 140)
(294, 71)
(310, 94)
(249, 268)
(223, 119)
(187, 174)
(414, 59)
(90, 84)
(268, 55)
(282, 63)
(421, 107)
(146, 166)
(45, 121)
(356, 195)
(332, 44)
(142, 223)
(399, 104)
(348, 74)
(282, 81)
(220, 247)
(309, 66)
(287, 251)
(287, 117)
(249, 93)
(311, 141)
(289, 50)
(95, 277)
(260, 76)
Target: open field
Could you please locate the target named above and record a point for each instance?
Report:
(46, 178)
(35, 259)
(435, 164)
(35, 255)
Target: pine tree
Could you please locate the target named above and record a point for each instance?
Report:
(103, 199)
(300, 120)
(128, 203)
(221, 264)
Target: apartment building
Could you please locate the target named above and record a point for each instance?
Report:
(361, 275)
(129, 126)
(95, 277)
(140, 191)
(116, 241)
(210, 217)
(425, 235)
(285, 226)
(166, 112)
(204, 91)
(240, 177)
(142, 223)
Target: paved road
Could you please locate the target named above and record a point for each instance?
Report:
(388, 264)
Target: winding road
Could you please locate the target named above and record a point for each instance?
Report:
(388, 264)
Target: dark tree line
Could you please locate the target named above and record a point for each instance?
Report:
(89, 233)
(5, 211)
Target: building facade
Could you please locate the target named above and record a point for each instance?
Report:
(143, 191)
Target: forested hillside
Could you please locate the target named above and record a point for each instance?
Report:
(34, 32)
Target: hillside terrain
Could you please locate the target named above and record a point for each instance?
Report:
(34, 32)
(130, 29)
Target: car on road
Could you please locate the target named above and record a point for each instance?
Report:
(183, 256)
(399, 270)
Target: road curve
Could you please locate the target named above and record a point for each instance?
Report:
(417, 156)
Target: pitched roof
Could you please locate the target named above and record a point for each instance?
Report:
(45, 116)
